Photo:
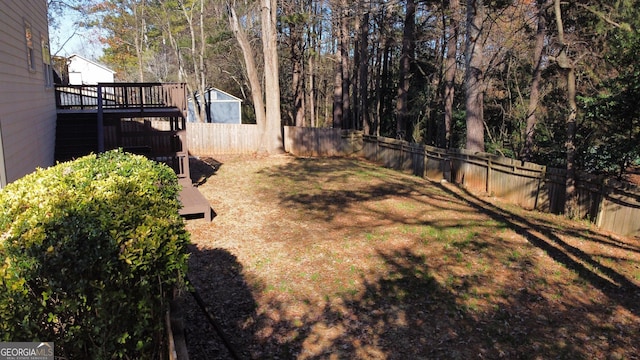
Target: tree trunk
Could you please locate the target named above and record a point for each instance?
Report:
(387, 81)
(313, 39)
(252, 69)
(444, 136)
(139, 18)
(363, 65)
(338, 98)
(297, 83)
(297, 46)
(311, 85)
(563, 61)
(203, 76)
(474, 77)
(272, 137)
(374, 128)
(403, 130)
(534, 97)
(355, 110)
(382, 79)
(344, 59)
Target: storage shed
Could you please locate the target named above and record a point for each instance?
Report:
(223, 108)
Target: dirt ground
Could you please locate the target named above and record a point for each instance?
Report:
(341, 259)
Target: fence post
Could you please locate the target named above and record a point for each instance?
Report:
(425, 162)
(601, 207)
(489, 164)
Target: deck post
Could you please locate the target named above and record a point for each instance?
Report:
(100, 121)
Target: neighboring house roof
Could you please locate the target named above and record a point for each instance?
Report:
(91, 62)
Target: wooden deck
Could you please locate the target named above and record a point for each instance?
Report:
(112, 110)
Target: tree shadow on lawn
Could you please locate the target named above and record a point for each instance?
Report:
(326, 202)
(216, 275)
(418, 308)
(615, 285)
(538, 233)
(202, 168)
(406, 314)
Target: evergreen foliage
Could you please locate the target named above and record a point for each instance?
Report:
(90, 252)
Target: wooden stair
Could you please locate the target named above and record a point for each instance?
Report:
(194, 204)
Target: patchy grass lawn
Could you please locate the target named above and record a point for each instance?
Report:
(342, 259)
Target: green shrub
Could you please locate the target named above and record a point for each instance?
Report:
(90, 251)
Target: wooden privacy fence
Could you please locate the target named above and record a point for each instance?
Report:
(611, 205)
(208, 138)
(301, 141)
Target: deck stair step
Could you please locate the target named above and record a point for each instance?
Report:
(194, 204)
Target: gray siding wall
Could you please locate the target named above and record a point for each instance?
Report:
(27, 106)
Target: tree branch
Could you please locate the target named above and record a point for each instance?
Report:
(623, 26)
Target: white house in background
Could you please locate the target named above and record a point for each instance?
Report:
(83, 71)
(27, 95)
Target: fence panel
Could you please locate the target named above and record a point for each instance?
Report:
(302, 141)
(552, 192)
(470, 169)
(589, 191)
(370, 148)
(208, 138)
(515, 181)
(437, 164)
(620, 209)
(390, 153)
(414, 155)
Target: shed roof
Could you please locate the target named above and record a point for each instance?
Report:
(226, 94)
(91, 62)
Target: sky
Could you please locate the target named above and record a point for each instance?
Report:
(68, 39)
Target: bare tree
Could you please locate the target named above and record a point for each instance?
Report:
(363, 65)
(340, 27)
(534, 97)
(474, 77)
(568, 69)
(190, 66)
(403, 130)
(295, 19)
(250, 65)
(272, 136)
(450, 68)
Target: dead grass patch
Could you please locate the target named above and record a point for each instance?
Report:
(339, 258)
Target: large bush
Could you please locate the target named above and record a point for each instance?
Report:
(90, 251)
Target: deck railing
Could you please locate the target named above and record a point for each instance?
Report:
(131, 96)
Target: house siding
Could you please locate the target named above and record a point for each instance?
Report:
(27, 105)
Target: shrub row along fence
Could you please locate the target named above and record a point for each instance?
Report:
(611, 205)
